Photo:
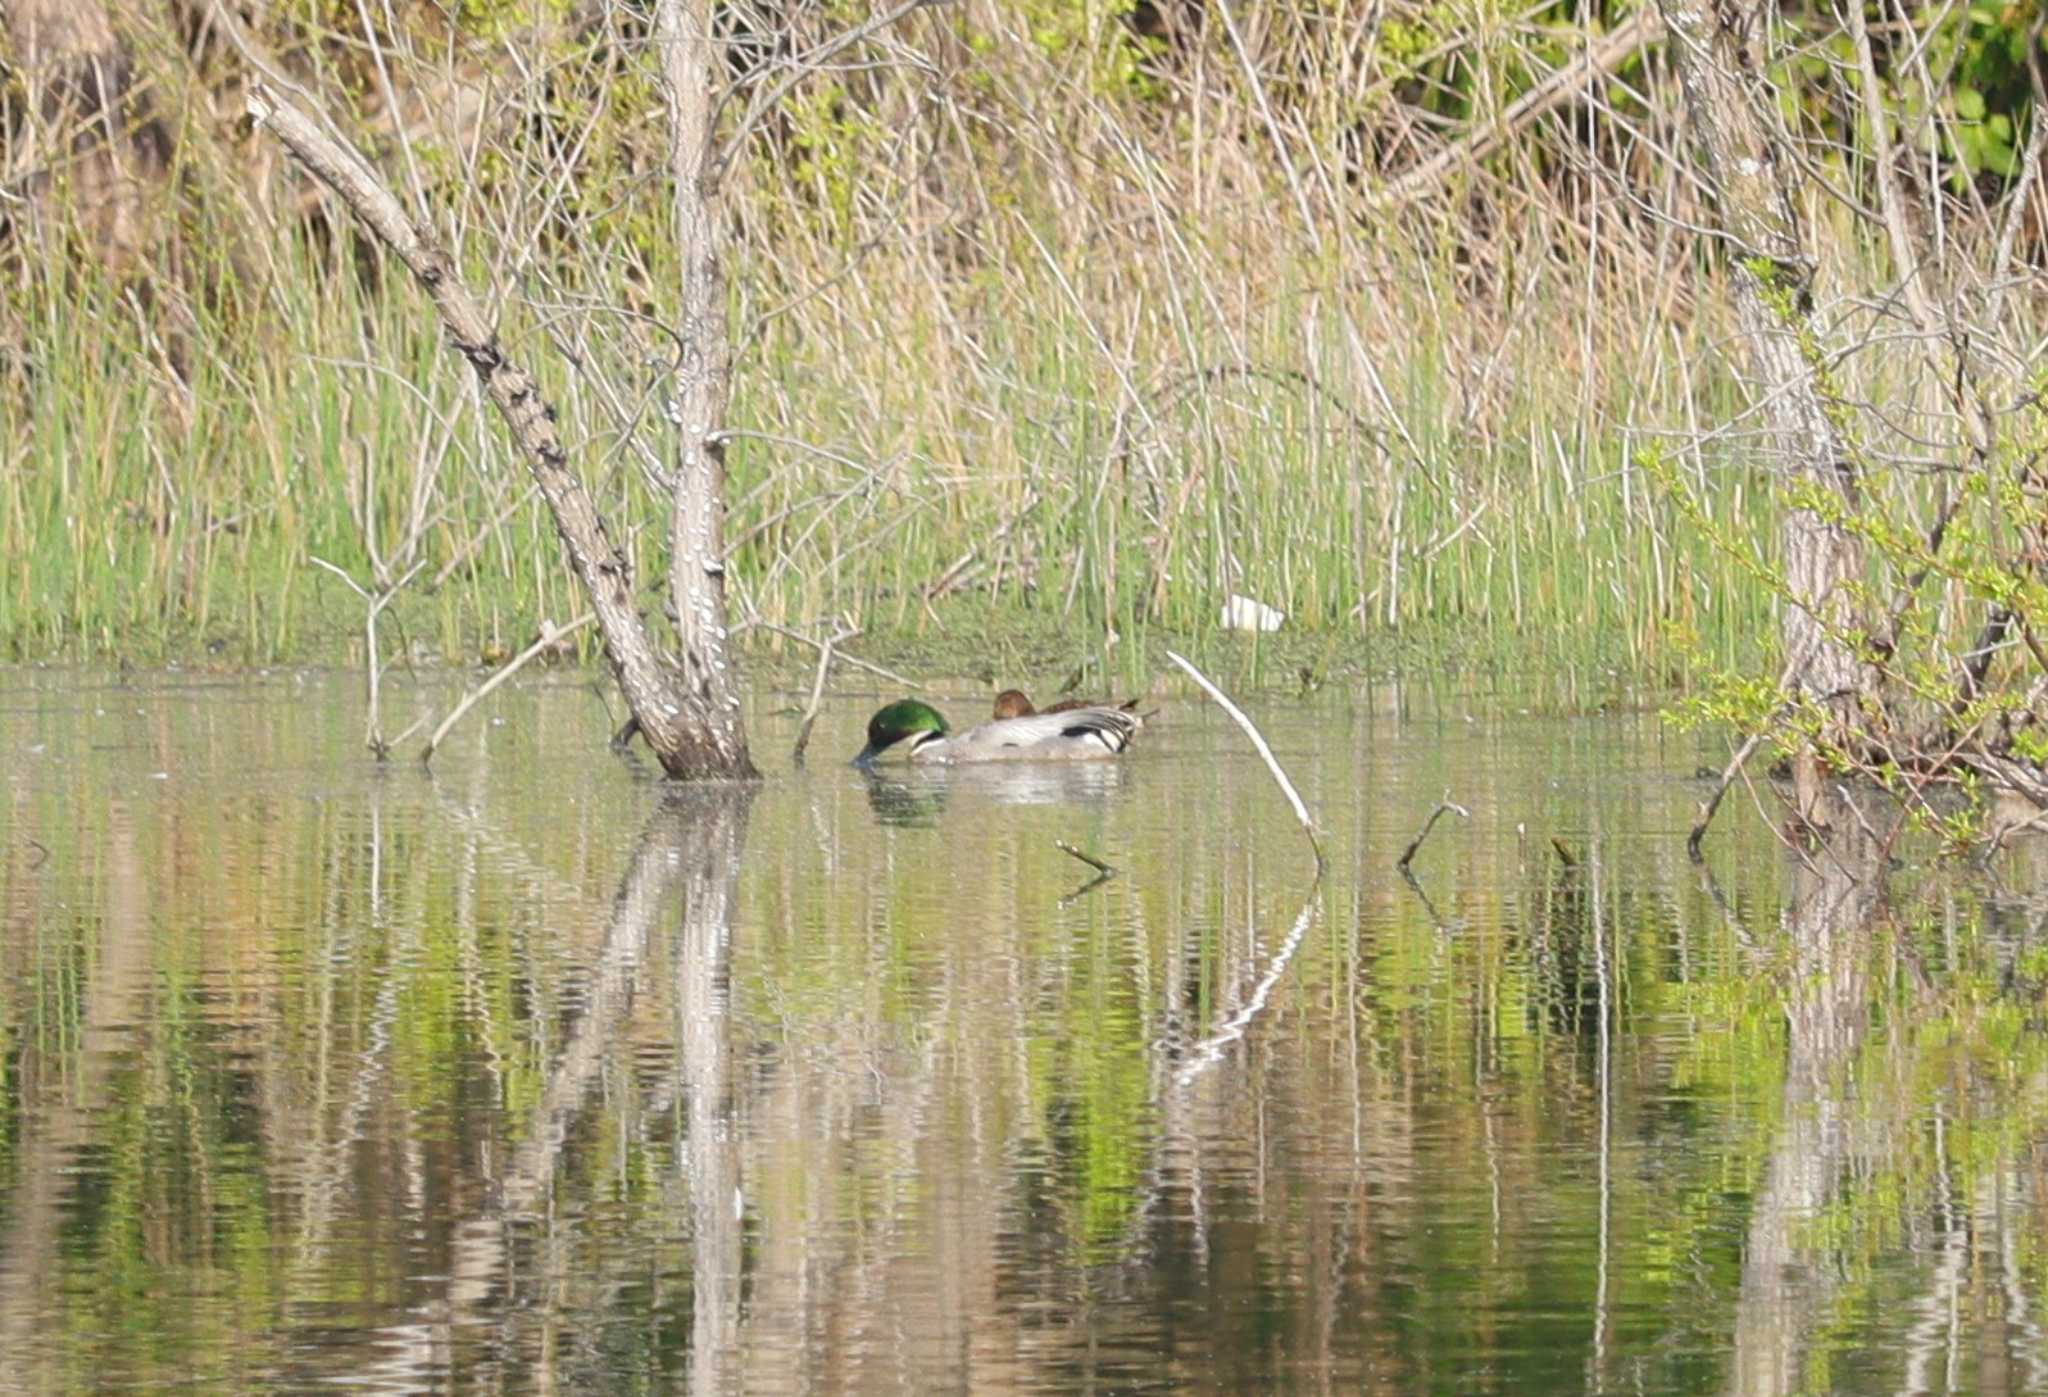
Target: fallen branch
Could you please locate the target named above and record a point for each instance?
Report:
(1429, 824)
(550, 635)
(1602, 58)
(1308, 826)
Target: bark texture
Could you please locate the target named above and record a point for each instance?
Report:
(672, 720)
(1734, 121)
(700, 388)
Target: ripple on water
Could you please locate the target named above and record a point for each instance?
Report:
(315, 1073)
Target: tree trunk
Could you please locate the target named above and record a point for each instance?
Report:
(1743, 145)
(93, 146)
(701, 387)
(688, 737)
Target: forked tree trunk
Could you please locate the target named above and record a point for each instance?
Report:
(1743, 145)
(694, 730)
(700, 384)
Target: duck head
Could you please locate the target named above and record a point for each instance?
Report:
(905, 718)
(1011, 703)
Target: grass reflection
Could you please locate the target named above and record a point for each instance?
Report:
(309, 1073)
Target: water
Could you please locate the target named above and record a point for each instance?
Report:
(521, 1076)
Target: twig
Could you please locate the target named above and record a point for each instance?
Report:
(825, 656)
(756, 623)
(803, 66)
(1308, 826)
(1742, 755)
(1429, 824)
(549, 636)
(377, 601)
(1098, 865)
(1603, 57)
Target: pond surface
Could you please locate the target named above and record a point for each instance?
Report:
(521, 1076)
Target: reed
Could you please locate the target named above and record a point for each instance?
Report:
(1041, 487)
(1055, 371)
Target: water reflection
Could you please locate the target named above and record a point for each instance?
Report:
(1789, 1281)
(519, 1076)
(915, 796)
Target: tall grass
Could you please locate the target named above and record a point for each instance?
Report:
(1022, 354)
(1025, 492)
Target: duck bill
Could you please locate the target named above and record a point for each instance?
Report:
(867, 756)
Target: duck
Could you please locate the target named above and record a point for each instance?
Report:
(1090, 733)
(1013, 703)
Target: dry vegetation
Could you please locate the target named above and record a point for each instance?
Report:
(1046, 316)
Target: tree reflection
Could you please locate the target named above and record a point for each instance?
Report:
(1834, 894)
(693, 843)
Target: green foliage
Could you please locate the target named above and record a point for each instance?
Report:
(1985, 46)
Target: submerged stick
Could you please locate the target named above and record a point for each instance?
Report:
(549, 636)
(1308, 826)
(826, 652)
(1429, 824)
(1098, 865)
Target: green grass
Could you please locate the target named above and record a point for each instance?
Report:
(1051, 450)
(144, 522)
(1041, 357)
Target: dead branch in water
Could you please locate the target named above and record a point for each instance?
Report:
(550, 635)
(1308, 826)
(1429, 824)
(827, 650)
(1106, 870)
(1103, 872)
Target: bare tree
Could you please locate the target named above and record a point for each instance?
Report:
(701, 389)
(1900, 419)
(1754, 177)
(689, 716)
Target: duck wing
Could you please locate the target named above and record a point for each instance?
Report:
(1110, 728)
